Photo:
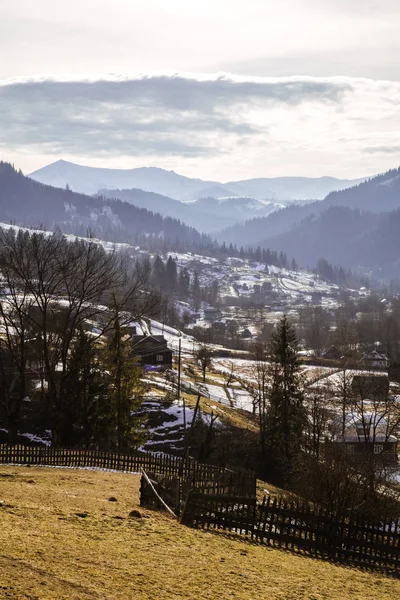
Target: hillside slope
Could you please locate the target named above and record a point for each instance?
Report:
(354, 228)
(62, 538)
(26, 202)
(345, 237)
(379, 194)
(226, 211)
(192, 214)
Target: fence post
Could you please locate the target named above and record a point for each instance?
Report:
(178, 496)
(186, 509)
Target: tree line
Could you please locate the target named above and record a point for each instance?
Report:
(65, 354)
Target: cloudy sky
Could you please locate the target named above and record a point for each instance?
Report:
(219, 89)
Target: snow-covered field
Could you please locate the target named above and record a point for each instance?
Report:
(332, 381)
(108, 246)
(172, 335)
(168, 424)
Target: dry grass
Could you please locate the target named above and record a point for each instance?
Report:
(50, 550)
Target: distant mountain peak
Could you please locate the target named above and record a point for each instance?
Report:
(90, 180)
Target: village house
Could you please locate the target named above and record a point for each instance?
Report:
(368, 433)
(152, 351)
(374, 360)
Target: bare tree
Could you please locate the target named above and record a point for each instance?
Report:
(203, 355)
(318, 416)
(260, 391)
(65, 287)
(15, 351)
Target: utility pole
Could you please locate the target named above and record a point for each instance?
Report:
(179, 381)
(202, 391)
(179, 369)
(189, 434)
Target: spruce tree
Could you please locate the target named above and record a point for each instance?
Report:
(158, 274)
(125, 388)
(184, 283)
(86, 419)
(286, 419)
(171, 275)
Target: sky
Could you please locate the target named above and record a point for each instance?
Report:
(220, 90)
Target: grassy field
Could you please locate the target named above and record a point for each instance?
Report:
(61, 538)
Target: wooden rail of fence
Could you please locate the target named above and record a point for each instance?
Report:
(168, 489)
(194, 473)
(346, 538)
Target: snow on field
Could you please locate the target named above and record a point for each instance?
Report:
(242, 399)
(108, 246)
(245, 370)
(172, 335)
(184, 259)
(160, 383)
(216, 393)
(335, 380)
(241, 368)
(32, 437)
(167, 424)
(292, 285)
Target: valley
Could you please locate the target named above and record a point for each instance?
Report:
(199, 300)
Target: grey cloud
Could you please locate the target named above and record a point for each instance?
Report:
(148, 115)
(383, 149)
(179, 93)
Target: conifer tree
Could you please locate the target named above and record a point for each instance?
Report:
(125, 389)
(86, 418)
(158, 275)
(171, 275)
(286, 418)
(184, 282)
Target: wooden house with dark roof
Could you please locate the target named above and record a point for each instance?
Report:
(152, 351)
(374, 360)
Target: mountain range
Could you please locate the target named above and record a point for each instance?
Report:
(206, 214)
(90, 180)
(357, 228)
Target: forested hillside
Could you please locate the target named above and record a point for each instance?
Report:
(379, 194)
(26, 202)
(190, 214)
(223, 211)
(357, 227)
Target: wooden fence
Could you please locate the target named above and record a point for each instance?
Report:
(350, 539)
(195, 474)
(168, 488)
(217, 498)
